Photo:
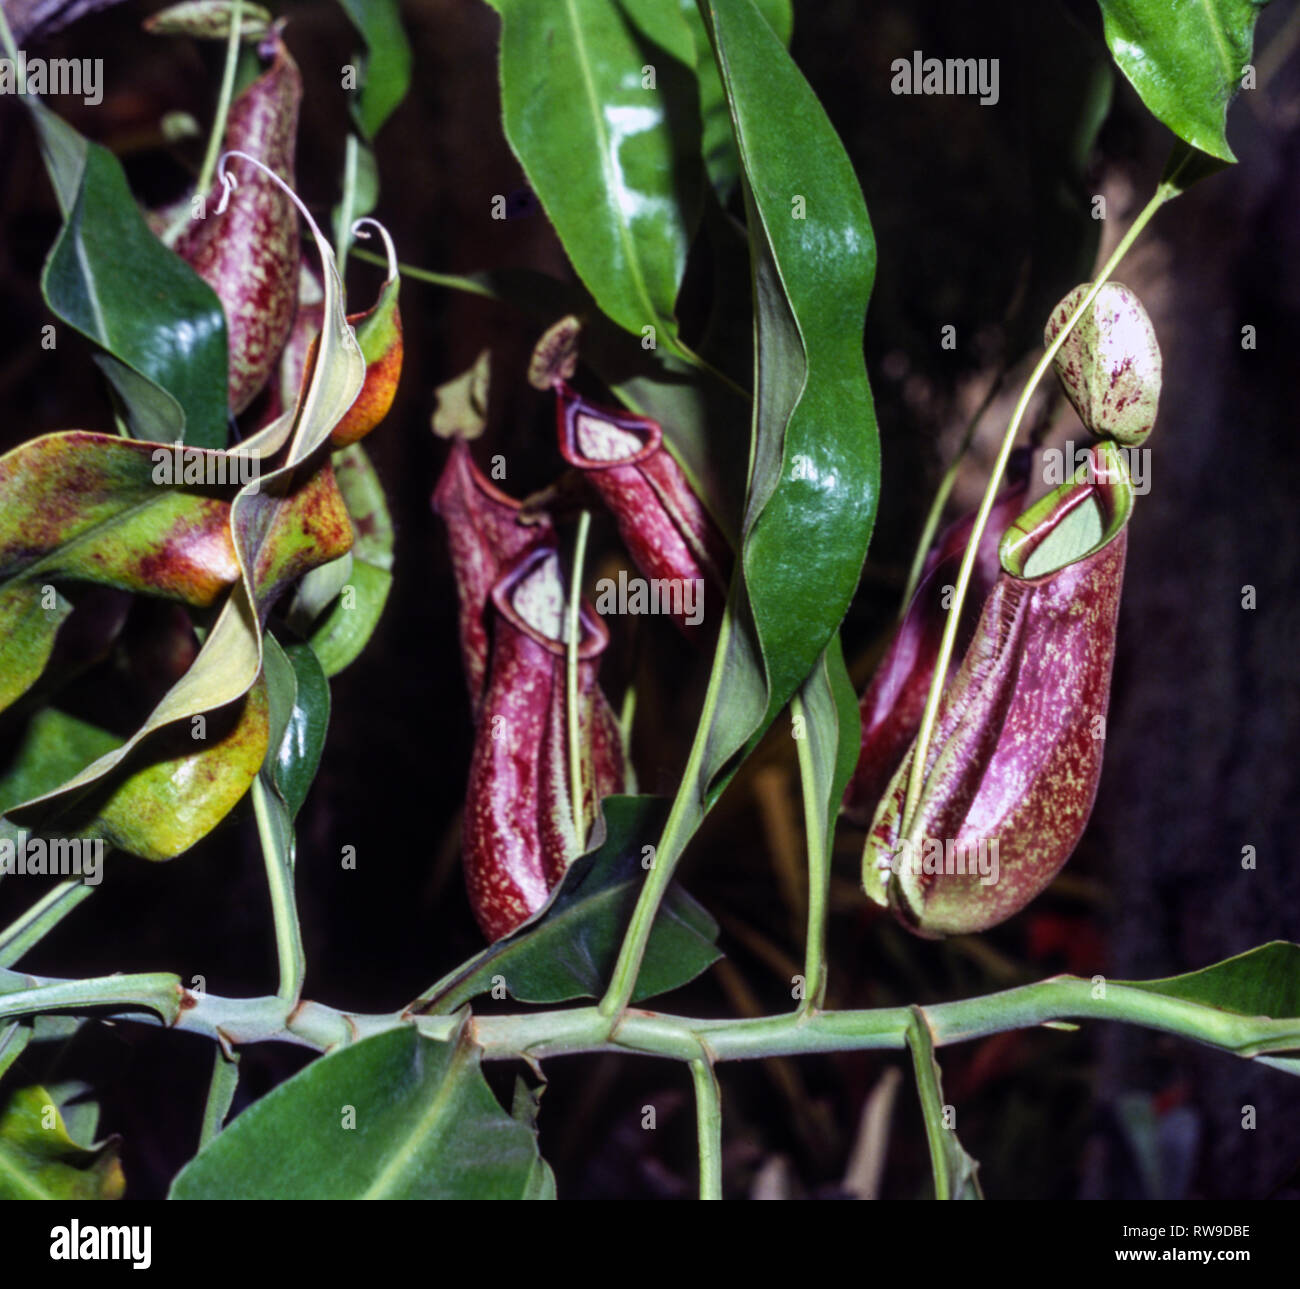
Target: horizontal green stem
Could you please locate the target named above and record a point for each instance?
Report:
(158, 998)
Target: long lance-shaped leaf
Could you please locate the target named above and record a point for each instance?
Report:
(721, 159)
(956, 1174)
(814, 462)
(292, 520)
(814, 467)
(600, 106)
(826, 721)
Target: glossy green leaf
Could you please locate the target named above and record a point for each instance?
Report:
(386, 76)
(834, 728)
(358, 601)
(568, 949)
(814, 462)
(600, 106)
(395, 1116)
(160, 325)
(814, 478)
(303, 740)
(1186, 58)
(46, 1162)
(814, 474)
(719, 144)
(1264, 981)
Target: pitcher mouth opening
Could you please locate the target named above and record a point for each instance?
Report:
(596, 438)
(1097, 501)
(531, 596)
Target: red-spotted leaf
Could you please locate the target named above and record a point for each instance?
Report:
(96, 508)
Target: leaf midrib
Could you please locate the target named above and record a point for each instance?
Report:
(1216, 29)
(407, 1155)
(624, 233)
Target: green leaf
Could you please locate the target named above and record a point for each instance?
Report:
(600, 106)
(387, 73)
(956, 1174)
(835, 732)
(54, 747)
(300, 711)
(395, 1116)
(344, 633)
(161, 326)
(568, 949)
(814, 476)
(359, 604)
(90, 508)
(176, 789)
(27, 633)
(14, 1038)
(1264, 981)
(40, 1162)
(1186, 60)
(721, 159)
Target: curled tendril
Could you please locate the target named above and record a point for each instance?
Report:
(358, 231)
(229, 183)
